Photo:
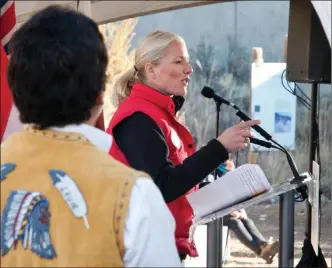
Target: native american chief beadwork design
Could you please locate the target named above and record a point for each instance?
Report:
(6, 169)
(26, 220)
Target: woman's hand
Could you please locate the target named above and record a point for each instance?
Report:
(237, 136)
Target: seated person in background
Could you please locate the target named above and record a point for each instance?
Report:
(245, 229)
(64, 201)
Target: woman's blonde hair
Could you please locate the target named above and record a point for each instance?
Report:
(150, 50)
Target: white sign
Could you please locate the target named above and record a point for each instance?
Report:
(273, 104)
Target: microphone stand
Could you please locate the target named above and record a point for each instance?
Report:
(214, 254)
(312, 150)
(287, 209)
(287, 202)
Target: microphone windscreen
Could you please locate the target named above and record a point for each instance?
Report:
(207, 92)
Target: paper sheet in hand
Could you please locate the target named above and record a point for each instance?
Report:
(236, 186)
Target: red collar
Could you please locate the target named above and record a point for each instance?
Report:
(147, 93)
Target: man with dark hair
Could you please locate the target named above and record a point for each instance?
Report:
(64, 201)
(57, 69)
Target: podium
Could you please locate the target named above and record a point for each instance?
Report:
(286, 192)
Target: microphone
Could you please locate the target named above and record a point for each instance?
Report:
(262, 143)
(209, 93)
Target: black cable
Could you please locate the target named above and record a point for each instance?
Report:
(297, 87)
(282, 82)
(307, 104)
(293, 91)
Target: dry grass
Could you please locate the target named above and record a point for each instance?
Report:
(200, 113)
(118, 37)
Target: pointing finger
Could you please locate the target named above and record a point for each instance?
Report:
(251, 123)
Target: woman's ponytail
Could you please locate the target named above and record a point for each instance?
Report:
(122, 86)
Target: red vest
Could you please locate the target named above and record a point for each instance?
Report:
(180, 143)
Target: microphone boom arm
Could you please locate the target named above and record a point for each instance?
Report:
(298, 179)
(209, 93)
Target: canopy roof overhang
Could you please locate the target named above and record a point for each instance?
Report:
(110, 11)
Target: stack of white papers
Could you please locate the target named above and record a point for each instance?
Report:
(236, 186)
